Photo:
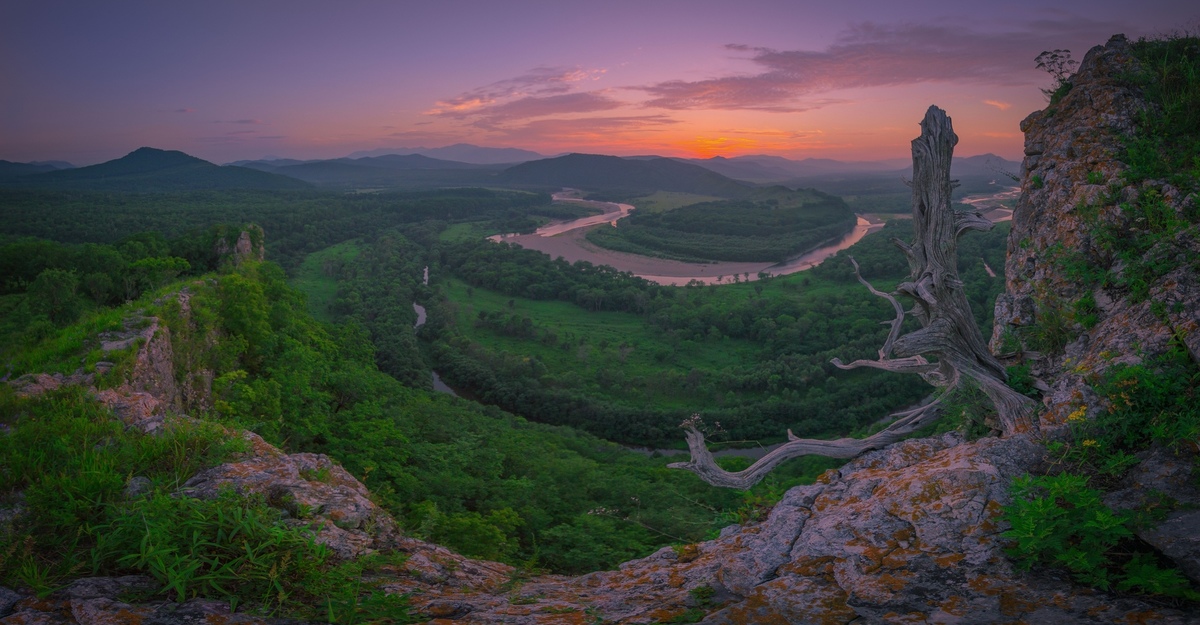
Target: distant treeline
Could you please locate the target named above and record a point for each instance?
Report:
(296, 222)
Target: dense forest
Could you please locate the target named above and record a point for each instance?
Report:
(629, 360)
(297, 223)
(560, 356)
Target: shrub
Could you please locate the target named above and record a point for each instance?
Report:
(1057, 520)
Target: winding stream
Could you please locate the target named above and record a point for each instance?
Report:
(575, 247)
(438, 384)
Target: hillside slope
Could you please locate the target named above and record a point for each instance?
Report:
(611, 173)
(154, 170)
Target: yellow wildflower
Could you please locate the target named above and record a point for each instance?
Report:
(1077, 415)
(1090, 442)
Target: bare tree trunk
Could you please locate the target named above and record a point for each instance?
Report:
(948, 333)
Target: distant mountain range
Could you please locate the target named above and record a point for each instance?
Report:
(9, 169)
(153, 170)
(461, 152)
(377, 171)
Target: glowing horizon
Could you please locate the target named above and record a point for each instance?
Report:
(229, 81)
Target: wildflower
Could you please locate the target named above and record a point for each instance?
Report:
(1090, 442)
(1078, 415)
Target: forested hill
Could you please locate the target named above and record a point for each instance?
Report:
(611, 173)
(154, 170)
(391, 170)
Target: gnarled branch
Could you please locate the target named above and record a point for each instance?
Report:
(703, 464)
(948, 346)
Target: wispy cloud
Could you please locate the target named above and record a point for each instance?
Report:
(875, 55)
(1003, 106)
(185, 110)
(545, 106)
(540, 81)
(243, 122)
(242, 132)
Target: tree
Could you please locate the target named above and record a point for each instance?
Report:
(1060, 65)
(53, 294)
(948, 330)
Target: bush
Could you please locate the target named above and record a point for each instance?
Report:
(1059, 521)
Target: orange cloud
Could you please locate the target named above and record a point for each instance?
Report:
(1003, 106)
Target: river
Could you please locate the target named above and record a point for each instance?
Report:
(567, 239)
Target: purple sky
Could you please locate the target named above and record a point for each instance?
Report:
(88, 81)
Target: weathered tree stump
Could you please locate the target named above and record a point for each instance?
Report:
(948, 334)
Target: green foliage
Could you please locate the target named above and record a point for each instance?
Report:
(298, 222)
(1059, 521)
(1037, 182)
(967, 410)
(486, 483)
(317, 277)
(1085, 311)
(1095, 177)
(1151, 402)
(238, 550)
(469, 533)
(53, 294)
(628, 360)
(1020, 379)
(1052, 329)
(1167, 144)
(72, 460)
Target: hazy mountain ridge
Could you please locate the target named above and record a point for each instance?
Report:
(9, 169)
(462, 152)
(154, 170)
(149, 169)
(611, 173)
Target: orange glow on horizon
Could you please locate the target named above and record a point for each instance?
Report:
(708, 147)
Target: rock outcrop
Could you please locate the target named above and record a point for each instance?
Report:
(247, 246)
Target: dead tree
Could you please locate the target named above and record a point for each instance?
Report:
(946, 349)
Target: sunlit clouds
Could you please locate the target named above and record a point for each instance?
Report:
(556, 109)
(625, 77)
(540, 81)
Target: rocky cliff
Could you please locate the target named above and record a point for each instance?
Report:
(906, 534)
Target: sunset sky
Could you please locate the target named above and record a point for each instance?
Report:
(88, 81)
